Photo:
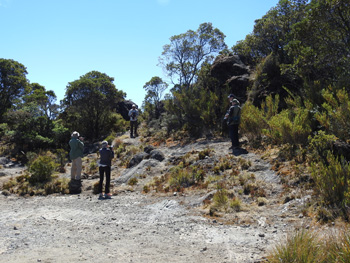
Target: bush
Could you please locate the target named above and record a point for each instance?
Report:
(336, 114)
(306, 246)
(332, 182)
(252, 122)
(302, 246)
(42, 169)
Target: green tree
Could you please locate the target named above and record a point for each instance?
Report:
(182, 58)
(321, 45)
(89, 104)
(155, 89)
(32, 121)
(13, 84)
(42, 100)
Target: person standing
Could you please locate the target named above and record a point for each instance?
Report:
(106, 156)
(233, 119)
(76, 153)
(133, 114)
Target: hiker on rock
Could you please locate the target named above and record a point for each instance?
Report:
(76, 153)
(133, 114)
(233, 119)
(106, 156)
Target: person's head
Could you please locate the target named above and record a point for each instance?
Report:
(75, 134)
(231, 97)
(235, 102)
(133, 106)
(104, 144)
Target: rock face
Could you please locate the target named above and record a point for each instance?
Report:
(149, 153)
(123, 108)
(232, 71)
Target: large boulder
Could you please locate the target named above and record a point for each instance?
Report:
(137, 158)
(232, 71)
(123, 108)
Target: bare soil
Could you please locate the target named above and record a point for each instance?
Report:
(138, 227)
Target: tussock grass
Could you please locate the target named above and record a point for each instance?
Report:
(309, 247)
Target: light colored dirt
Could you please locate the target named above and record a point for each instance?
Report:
(135, 227)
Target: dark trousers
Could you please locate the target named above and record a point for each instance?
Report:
(133, 128)
(104, 170)
(233, 133)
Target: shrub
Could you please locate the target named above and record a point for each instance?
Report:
(336, 114)
(42, 169)
(220, 198)
(236, 204)
(132, 181)
(332, 181)
(302, 246)
(252, 122)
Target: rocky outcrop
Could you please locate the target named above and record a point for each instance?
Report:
(123, 108)
(149, 153)
(232, 71)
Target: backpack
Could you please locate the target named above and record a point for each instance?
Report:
(234, 118)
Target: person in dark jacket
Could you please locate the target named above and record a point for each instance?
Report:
(133, 114)
(233, 119)
(106, 156)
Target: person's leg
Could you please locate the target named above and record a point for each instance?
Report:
(79, 164)
(131, 129)
(73, 170)
(101, 170)
(235, 141)
(135, 129)
(231, 135)
(108, 179)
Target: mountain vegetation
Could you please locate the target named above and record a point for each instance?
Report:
(297, 97)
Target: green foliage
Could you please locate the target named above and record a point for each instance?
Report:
(13, 84)
(252, 122)
(42, 169)
(220, 198)
(303, 246)
(336, 115)
(133, 181)
(332, 182)
(319, 146)
(308, 247)
(183, 57)
(292, 125)
(89, 105)
(155, 89)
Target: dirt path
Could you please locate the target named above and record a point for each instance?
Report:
(134, 227)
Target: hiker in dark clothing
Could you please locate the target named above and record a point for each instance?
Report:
(106, 156)
(233, 119)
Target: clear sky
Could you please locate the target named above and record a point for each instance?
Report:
(60, 40)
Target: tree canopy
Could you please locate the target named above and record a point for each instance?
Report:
(13, 83)
(89, 104)
(182, 58)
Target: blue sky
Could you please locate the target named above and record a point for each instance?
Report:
(60, 40)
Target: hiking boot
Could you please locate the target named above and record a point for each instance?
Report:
(100, 197)
(108, 196)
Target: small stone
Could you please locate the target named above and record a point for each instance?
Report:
(175, 194)
(261, 235)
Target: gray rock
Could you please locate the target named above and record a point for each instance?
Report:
(137, 159)
(157, 154)
(135, 171)
(148, 149)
